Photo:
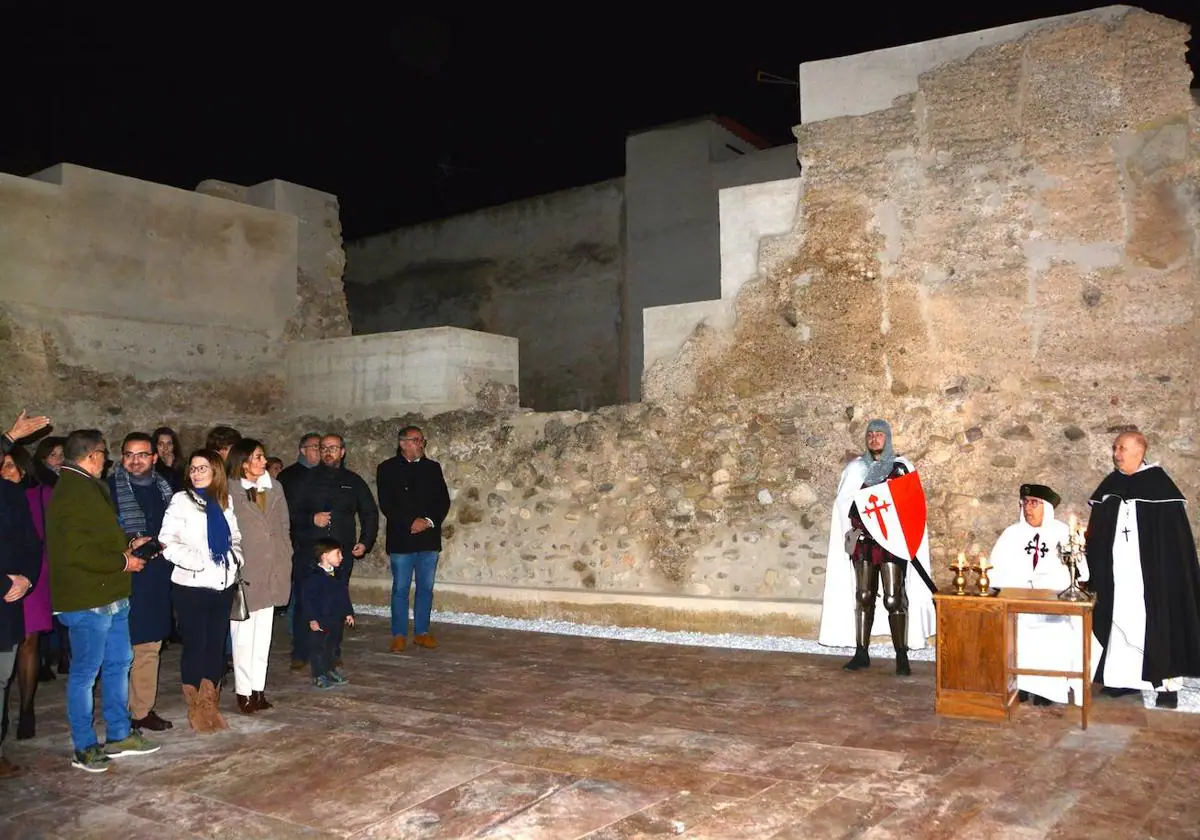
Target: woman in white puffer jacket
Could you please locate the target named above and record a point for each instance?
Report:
(200, 537)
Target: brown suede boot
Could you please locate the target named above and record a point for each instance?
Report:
(195, 715)
(209, 697)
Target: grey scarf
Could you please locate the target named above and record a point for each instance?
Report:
(878, 471)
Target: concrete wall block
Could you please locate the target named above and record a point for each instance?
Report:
(391, 374)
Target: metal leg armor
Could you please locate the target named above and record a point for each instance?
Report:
(895, 599)
(866, 590)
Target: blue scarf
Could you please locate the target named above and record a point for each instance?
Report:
(219, 538)
(129, 512)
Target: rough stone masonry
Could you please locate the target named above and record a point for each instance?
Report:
(1003, 263)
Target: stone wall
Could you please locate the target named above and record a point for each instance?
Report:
(546, 271)
(319, 309)
(1003, 263)
(118, 295)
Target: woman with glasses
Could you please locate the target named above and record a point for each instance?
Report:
(200, 537)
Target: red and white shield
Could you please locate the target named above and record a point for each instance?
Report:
(894, 514)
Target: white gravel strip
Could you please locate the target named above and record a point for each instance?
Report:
(1189, 697)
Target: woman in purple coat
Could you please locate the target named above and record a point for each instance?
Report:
(19, 468)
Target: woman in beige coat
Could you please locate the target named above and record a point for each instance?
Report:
(262, 515)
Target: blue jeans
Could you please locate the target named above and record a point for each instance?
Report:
(99, 646)
(422, 564)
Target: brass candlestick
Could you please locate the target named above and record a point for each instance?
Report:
(1070, 556)
(984, 583)
(960, 579)
(959, 567)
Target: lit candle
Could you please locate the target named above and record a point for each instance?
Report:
(983, 562)
(962, 561)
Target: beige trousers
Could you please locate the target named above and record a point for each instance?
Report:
(143, 679)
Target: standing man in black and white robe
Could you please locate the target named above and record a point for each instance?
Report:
(1142, 558)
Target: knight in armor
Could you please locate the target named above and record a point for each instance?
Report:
(863, 572)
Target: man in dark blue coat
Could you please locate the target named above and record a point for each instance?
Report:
(20, 564)
(414, 498)
(141, 495)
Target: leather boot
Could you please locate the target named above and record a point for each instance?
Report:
(259, 698)
(26, 724)
(208, 707)
(195, 715)
(859, 661)
(246, 705)
(899, 624)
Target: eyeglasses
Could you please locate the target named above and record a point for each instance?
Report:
(311, 446)
(200, 468)
(137, 455)
(331, 449)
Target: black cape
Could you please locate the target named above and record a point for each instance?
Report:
(1169, 570)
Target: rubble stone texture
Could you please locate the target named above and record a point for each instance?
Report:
(1004, 264)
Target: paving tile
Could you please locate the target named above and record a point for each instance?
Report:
(499, 734)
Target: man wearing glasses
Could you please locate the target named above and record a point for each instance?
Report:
(141, 495)
(415, 500)
(324, 506)
(90, 564)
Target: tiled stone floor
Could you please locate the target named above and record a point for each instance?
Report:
(507, 735)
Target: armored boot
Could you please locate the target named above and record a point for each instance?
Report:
(899, 624)
(895, 599)
(866, 590)
(863, 618)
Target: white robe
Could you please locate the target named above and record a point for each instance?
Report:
(837, 605)
(1046, 642)
(1127, 639)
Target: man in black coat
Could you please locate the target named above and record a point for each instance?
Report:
(20, 565)
(1142, 560)
(415, 500)
(324, 506)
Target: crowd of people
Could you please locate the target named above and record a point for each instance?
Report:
(104, 561)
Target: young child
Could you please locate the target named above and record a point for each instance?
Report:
(325, 604)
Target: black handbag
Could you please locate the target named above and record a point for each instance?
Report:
(240, 611)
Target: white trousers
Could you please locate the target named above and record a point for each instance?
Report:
(252, 650)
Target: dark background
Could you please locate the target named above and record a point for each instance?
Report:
(409, 116)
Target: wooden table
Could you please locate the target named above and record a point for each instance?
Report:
(977, 651)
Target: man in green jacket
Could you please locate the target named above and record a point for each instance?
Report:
(90, 563)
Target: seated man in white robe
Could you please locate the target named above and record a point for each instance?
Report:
(1026, 557)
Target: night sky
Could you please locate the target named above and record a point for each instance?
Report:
(411, 116)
